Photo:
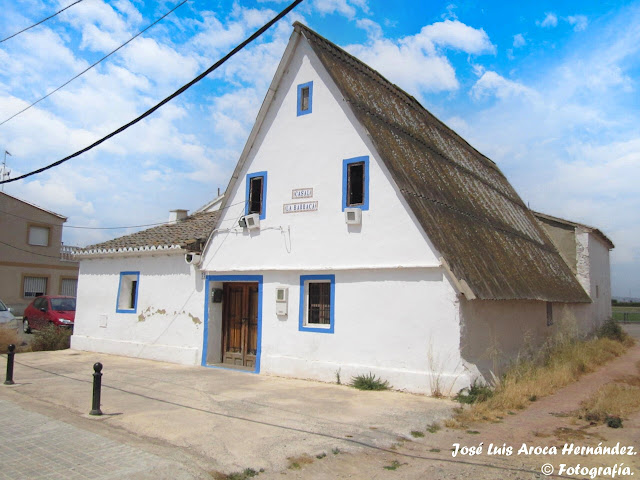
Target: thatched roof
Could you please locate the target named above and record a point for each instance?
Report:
(466, 206)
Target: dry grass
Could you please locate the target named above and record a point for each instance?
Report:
(611, 400)
(553, 368)
(9, 336)
(296, 463)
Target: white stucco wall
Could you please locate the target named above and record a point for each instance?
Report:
(396, 313)
(400, 324)
(168, 322)
(308, 152)
(600, 279)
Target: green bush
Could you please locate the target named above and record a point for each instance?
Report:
(51, 337)
(369, 382)
(477, 392)
(612, 330)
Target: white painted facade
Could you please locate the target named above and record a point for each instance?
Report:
(396, 313)
(166, 324)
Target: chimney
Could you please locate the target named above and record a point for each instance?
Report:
(177, 215)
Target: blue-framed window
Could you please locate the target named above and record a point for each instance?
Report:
(355, 183)
(305, 98)
(256, 194)
(127, 301)
(317, 303)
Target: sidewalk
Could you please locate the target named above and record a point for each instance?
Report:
(34, 446)
(204, 419)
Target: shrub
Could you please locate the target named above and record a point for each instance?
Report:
(611, 329)
(477, 392)
(51, 338)
(369, 382)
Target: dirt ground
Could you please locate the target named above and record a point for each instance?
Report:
(546, 423)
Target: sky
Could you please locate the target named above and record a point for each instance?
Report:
(547, 90)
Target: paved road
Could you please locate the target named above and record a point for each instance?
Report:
(34, 446)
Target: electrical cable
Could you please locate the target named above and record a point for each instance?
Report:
(94, 64)
(181, 90)
(41, 21)
(29, 251)
(104, 228)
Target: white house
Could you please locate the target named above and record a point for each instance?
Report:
(357, 234)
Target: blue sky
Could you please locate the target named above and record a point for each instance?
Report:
(548, 90)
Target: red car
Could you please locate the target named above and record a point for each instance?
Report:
(49, 310)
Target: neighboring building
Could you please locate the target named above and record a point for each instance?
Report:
(586, 250)
(33, 260)
(358, 234)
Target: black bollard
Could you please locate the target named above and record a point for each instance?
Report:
(97, 385)
(10, 354)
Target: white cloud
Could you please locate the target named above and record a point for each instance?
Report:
(550, 21)
(579, 22)
(348, 8)
(518, 40)
(417, 63)
(373, 29)
(456, 35)
(492, 84)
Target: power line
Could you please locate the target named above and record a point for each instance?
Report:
(94, 64)
(29, 251)
(181, 90)
(108, 228)
(41, 21)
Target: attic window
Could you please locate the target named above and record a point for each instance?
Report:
(355, 183)
(305, 98)
(256, 194)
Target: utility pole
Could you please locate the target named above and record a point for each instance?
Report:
(5, 173)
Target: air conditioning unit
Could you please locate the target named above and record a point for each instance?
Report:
(353, 216)
(282, 300)
(192, 258)
(251, 221)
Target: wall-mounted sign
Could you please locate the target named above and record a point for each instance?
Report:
(302, 193)
(300, 207)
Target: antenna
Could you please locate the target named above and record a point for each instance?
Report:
(5, 173)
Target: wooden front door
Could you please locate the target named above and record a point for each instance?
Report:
(240, 324)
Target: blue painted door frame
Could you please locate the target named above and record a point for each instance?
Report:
(231, 278)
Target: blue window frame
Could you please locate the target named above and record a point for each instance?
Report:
(317, 303)
(127, 301)
(355, 183)
(256, 194)
(305, 98)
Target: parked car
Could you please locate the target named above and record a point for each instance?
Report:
(49, 310)
(5, 313)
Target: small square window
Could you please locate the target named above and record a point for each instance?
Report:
(305, 98)
(128, 292)
(39, 236)
(317, 303)
(256, 194)
(355, 183)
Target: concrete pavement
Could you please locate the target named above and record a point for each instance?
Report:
(202, 420)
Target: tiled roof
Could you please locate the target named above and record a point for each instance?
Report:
(191, 233)
(474, 217)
